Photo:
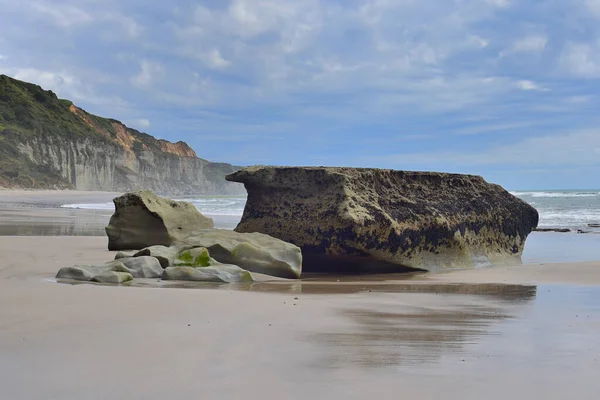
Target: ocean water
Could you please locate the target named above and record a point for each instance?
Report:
(572, 209)
(232, 206)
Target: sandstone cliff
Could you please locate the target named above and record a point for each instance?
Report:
(46, 142)
(377, 218)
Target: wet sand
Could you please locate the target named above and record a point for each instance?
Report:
(491, 334)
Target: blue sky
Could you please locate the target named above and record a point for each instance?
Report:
(507, 89)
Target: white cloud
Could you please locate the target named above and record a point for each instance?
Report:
(593, 6)
(64, 15)
(577, 148)
(140, 123)
(148, 72)
(215, 60)
(47, 79)
(531, 44)
(129, 25)
(581, 59)
(528, 85)
(499, 3)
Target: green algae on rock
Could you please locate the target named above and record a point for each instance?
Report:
(194, 257)
(374, 217)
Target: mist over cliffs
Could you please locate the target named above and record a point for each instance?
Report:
(49, 143)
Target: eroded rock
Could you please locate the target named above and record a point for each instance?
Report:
(164, 254)
(221, 273)
(142, 219)
(89, 272)
(143, 266)
(113, 277)
(254, 252)
(422, 220)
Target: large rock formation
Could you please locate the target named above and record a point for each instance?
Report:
(143, 219)
(369, 217)
(47, 142)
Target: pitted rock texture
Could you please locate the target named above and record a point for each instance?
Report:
(142, 219)
(420, 220)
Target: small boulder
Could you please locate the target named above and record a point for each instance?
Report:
(88, 272)
(165, 255)
(143, 219)
(143, 266)
(113, 277)
(221, 273)
(254, 252)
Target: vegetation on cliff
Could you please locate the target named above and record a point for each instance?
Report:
(29, 114)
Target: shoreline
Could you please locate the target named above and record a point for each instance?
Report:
(341, 340)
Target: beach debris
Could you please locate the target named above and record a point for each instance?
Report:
(143, 219)
(384, 218)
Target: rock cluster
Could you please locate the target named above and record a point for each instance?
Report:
(167, 263)
(374, 217)
(172, 242)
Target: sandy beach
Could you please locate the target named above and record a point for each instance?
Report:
(528, 331)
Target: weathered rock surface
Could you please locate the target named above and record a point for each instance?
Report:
(375, 217)
(165, 255)
(89, 272)
(220, 273)
(113, 277)
(254, 252)
(142, 219)
(124, 254)
(143, 267)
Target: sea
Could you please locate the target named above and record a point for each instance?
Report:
(577, 210)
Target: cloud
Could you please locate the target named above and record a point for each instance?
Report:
(63, 15)
(531, 44)
(215, 60)
(140, 123)
(528, 85)
(577, 148)
(321, 77)
(581, 59)
(499, 3)
(148, 73)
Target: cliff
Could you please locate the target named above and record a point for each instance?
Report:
(47, 142)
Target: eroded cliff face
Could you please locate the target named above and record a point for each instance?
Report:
(86, 165)
(46, 142)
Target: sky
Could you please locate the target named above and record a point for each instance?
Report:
(507, 89)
